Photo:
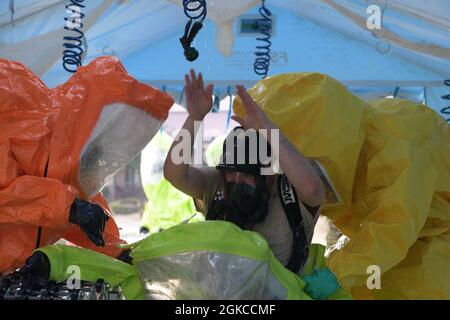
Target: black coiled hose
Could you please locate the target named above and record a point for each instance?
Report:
(12, 11)
(195, 9)
(445, 111)
(264, 27)
(73, 45)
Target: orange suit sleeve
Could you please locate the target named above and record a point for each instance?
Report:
(36, 201)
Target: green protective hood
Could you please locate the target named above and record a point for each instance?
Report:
(221, 237)
(216, 237)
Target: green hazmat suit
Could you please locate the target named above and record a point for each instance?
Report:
(214, 151)
(166, 206)
(203, 260)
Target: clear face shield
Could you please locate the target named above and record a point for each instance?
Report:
(120, 135)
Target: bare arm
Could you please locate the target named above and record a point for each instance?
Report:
(300, 173)
(297, 168)
(184, 176)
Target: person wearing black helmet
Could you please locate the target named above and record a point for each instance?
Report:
(243, 197)
(283, 208)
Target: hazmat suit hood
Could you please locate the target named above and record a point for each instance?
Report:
(107, 130)
(388, 161)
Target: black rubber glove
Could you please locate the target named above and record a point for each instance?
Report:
(91, 218)
(36, 272)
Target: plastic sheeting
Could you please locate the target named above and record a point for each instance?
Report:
(216, 260)
(120, 134)
(205, 260)
(331, 37)
(390, 163)
(203, 275)
(405, 24)
(171, 264)
(36, 37)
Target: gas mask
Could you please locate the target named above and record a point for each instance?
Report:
(244, 204)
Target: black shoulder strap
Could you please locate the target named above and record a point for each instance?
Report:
(291, 206)
(213, 211)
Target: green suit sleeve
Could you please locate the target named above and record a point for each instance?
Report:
(94, 266)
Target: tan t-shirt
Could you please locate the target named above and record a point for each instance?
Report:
(275, 227)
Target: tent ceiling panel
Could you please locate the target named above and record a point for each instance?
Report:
(328, 36)
(299, 45)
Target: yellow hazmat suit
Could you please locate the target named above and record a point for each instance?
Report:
(389, 160)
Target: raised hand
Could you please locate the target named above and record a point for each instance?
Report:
(255, 117)
(198, 99)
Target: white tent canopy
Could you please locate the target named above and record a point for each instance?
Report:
(408, 57)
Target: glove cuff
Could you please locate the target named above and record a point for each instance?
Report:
(73, 211)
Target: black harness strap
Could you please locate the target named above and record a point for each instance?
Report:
(291, 206)
(38, 240)
(213, 212)
(39, 235)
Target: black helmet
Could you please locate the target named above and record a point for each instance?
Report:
(241, 152)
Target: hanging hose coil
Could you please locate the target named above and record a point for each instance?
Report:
(75, 45)
(264, 27)
(445, 111)
(195, 9)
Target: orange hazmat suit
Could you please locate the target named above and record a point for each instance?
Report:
(62, 143)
